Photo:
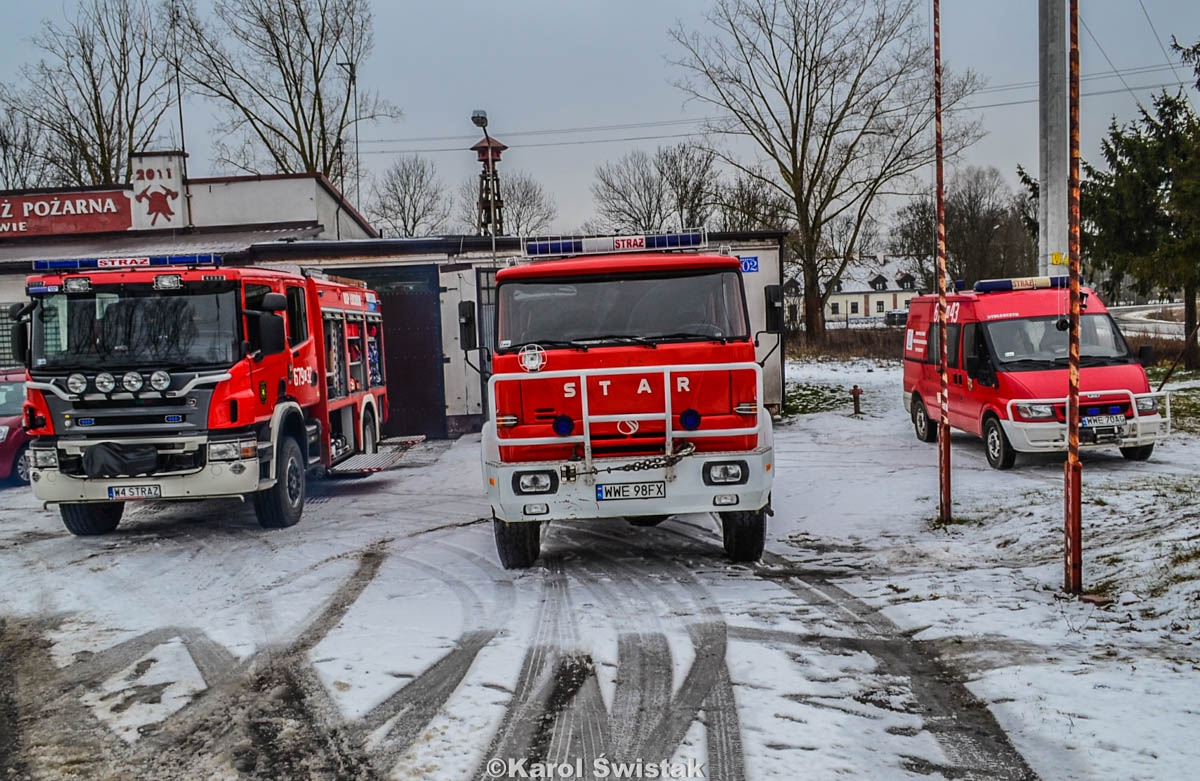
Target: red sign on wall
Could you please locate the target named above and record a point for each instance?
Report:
(95, 211)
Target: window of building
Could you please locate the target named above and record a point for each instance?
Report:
(833, 308)
(879, 307)
(880, 285)
(907, 284)
(906, 302)
(853, 307)
(297, 315)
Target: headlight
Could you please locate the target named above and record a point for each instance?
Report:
(534, 482)
(1147, 404)
(160, 380)
(232, 451)
(3, 433)
(726, 473)
(132, 382)
(44, 458)
(1035, 411)
(77, 383)
(105, 382)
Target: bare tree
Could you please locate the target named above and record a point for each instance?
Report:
(631, 195)
(409, 199)
(690, 176)
(285, 73)
(835, 97)
(748, 203)
(98, 92)
(528, 209)
(23, 163)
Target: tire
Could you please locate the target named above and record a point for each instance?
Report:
(925, 429)
(517, 544)
(87, 520)
(280, 506)
(646, 520)
(744, 533)
(997, 448)
(20, 469)
(1139, 453)
(370, 440)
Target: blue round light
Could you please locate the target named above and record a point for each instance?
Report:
(689, 419)
(563, 425)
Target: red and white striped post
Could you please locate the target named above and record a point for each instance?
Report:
(944, 509)
(1073, 537)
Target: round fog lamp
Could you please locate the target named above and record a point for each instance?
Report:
(160, 380)
(105, 382)
(132, 382)
(689, 419)
(77, 383)
(563, 425)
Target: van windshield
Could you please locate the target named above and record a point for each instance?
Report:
(1036, 342)
(588, 311)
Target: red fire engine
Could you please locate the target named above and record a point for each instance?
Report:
(176, 378)
(626, 385)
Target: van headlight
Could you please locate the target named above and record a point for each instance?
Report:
(1147, 405)
(535, 482)
(1035, 411)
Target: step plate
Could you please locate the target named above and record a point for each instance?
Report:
(391, 451)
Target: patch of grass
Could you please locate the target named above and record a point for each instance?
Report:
(805, 398)
(1185, 410)
(1185, 554)
(955, 520)
(1107, 588)
(843, 343)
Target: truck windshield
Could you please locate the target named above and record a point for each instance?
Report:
(122, 326)
(1036, 342)
(696, 305)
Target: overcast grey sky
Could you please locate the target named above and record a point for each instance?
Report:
(560, 65)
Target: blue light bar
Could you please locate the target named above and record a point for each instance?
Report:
(1019, 283)
(129, 262)
(596, 245)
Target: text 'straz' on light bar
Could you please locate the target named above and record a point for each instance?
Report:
(596, 245)
(131, 262)
(1019, 283)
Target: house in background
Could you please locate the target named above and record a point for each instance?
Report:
(868, 289)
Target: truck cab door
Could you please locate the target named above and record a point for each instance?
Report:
(268, 368)
(303, 374)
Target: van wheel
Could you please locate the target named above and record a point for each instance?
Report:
(517, 544)
(280, 506)
(744, 533)
(925, 428)
(86, 520)
(1140, 453)
(1000, 453)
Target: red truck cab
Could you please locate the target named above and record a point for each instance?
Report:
(178, 378)
(626, 385)
(1007, 371)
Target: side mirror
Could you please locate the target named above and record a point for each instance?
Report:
(773, 295)
(274, 302)
(467, 332)
(973, 366)
(271, 335)
(19, 337)
(1146, 355)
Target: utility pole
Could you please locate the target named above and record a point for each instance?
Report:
(944, 506)
(1053, 146)
(1073, 468)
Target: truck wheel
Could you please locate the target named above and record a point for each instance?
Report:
(1000, 453)
(744, 533)
(1140, 453)
(370, 442)
(646, 520)
(925, 428)
(86, 520)
(517, 544)
(280, 505)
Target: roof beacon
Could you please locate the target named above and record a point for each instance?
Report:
(135, 262)
(1019, 283)
(693, 238)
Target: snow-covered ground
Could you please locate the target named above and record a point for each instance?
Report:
(380, 638)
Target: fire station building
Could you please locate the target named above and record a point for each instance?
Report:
(299, 222)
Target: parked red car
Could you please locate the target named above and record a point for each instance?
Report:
(14, 441)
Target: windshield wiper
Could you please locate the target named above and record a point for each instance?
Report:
(692, 335)
(574, 344)
(622, 338)
(1044, 363)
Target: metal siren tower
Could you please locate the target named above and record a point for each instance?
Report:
(491, 205)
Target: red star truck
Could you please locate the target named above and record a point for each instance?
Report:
(177, 378)
(1007, 372)
(625, 384)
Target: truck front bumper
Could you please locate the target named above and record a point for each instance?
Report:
(686, 488)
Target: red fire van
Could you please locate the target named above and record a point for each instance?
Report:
(1007, 372)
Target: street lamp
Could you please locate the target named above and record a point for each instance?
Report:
(480, 120)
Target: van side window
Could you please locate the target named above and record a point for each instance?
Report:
(934, 356)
